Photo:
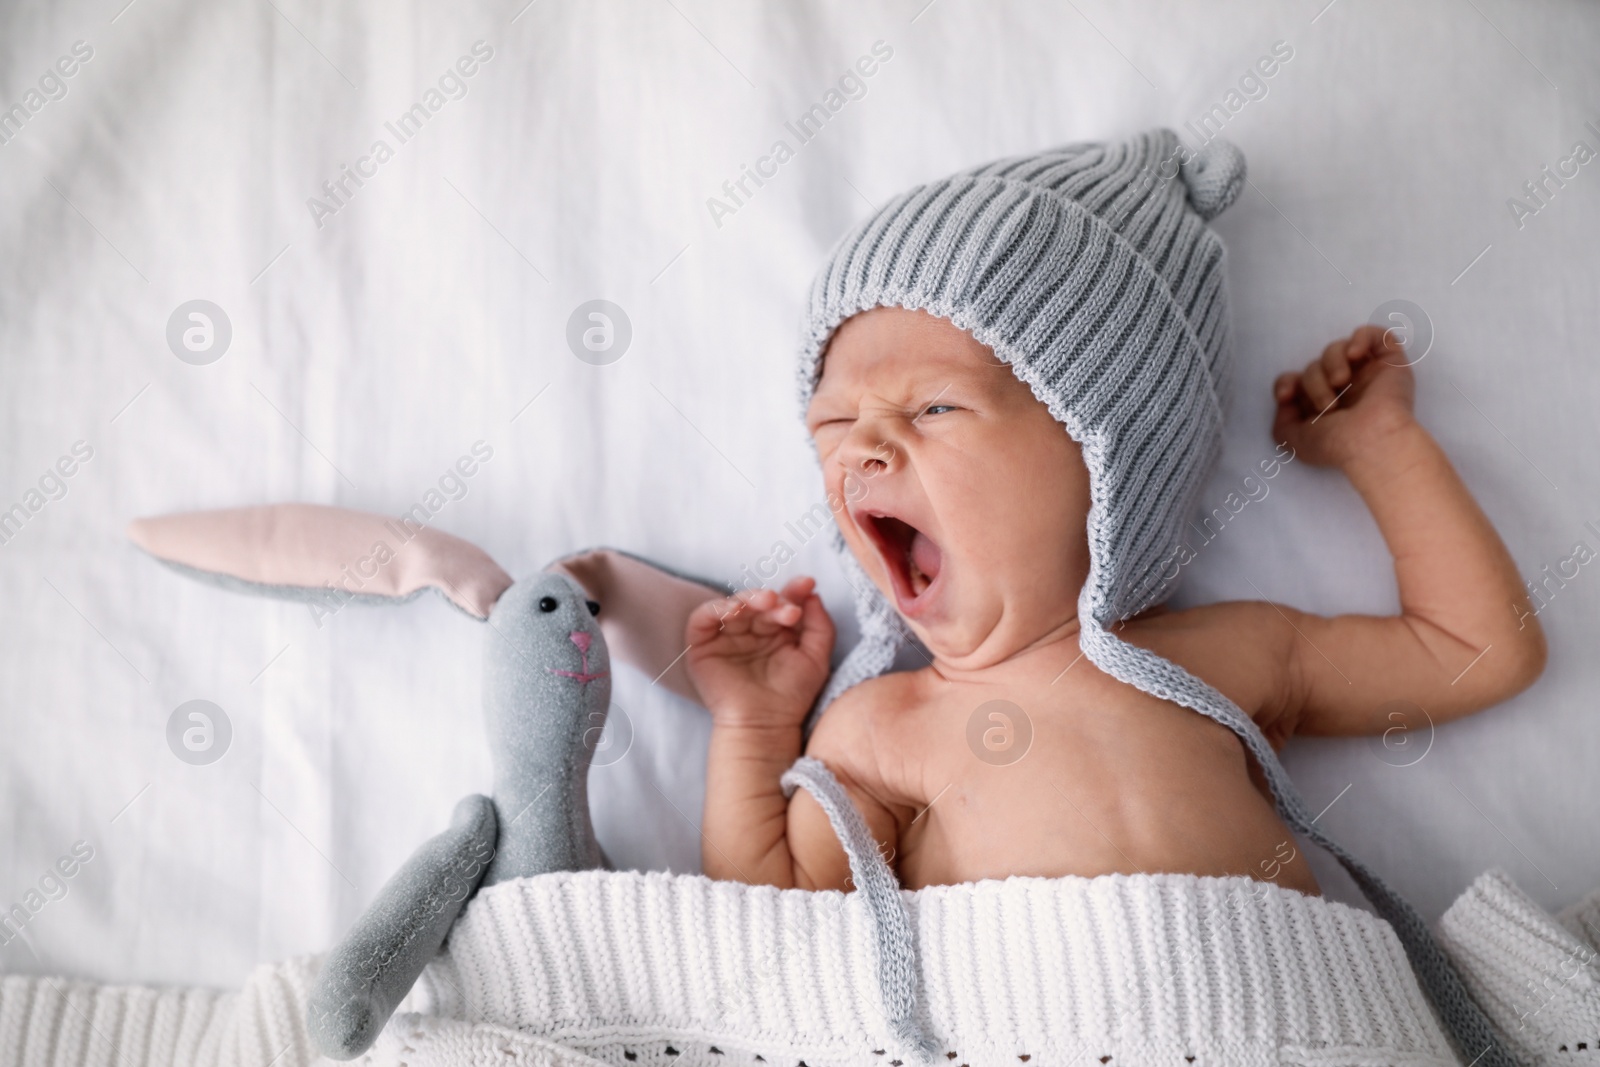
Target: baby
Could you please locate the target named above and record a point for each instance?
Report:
(975, 525)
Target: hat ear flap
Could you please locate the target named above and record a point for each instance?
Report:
(644, 611)
(319, 554)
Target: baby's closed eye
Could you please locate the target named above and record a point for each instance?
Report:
(829, 432)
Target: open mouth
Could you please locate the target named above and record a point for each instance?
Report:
(911, 557)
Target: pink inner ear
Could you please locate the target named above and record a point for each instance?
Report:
(313, 546)
(643, 613)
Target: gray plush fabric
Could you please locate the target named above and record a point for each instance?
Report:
(366, 975)
(545, 701)
(1090, 270)
(544, 726)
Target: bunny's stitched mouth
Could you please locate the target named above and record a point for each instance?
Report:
(582, 640)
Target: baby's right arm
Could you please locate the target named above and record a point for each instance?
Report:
(759, 658)
(1461, 597)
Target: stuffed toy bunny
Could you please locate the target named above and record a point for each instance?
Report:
(547, 688)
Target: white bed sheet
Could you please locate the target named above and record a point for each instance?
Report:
(430, 311)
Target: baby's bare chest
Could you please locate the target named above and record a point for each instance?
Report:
(1082, 780)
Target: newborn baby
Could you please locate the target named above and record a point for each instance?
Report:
(974, 525)
(967, 474)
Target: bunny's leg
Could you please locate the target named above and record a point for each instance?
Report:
(368, 973)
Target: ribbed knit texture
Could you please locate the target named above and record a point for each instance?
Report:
(1119, 327)
(61, 1022)
(654, 969)
(1535, 974)
(1582, 919)
(1099, 282)
(1145, 969)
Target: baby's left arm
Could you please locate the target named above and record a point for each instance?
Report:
(1465, 637)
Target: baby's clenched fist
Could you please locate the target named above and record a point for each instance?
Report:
(760, 657)
(1347, 401)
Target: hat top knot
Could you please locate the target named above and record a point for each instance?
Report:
(1215, 176)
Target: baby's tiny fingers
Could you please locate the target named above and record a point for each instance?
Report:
(799, 588)
(775, 620)
(1286, 421)
(1315, 381)
(1336, 362)
(1373, 342)
(1393, 346)
(746, 601)
(1283, 386)
(710, 618)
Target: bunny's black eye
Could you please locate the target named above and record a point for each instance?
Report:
(548, 604)
(594, 606)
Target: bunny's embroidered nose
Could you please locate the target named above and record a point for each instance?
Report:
(582, 640)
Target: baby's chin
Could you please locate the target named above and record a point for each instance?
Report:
(950, 623)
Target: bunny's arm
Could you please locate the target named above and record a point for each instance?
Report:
(367, 974)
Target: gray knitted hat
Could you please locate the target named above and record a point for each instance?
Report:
(1065, 263)
(1090, 270)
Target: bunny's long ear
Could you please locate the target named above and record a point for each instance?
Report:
(322, 555)
(644, 608)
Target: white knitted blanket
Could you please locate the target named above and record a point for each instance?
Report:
(638, 969)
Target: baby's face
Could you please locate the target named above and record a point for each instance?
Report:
(966, 502)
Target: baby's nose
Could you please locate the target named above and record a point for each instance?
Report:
(580, 639)
(869, 452)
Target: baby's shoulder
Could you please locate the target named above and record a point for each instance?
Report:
(855, 713)
(864, 739)
(858, 728)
